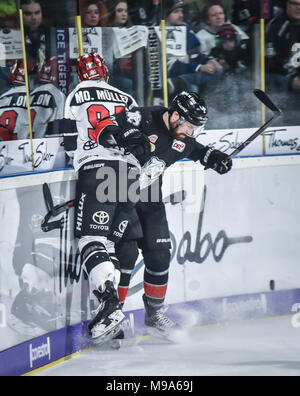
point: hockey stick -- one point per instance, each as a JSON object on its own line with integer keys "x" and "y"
{"x": 48, "y": 199}
{"x": 262, "y": 96}
{"x": 53, "y": 211}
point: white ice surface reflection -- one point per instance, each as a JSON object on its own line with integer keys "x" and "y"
{"x": 265, "y": 347}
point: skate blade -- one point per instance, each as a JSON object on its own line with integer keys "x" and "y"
{"x": 174, "y": 336}
{"x": 105, "y": 337}
{"x": 111, "y": 331}
{"x": 115, "y": 344}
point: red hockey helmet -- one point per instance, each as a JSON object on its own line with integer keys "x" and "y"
{"x": 47, "y": 71}
{"x": 92, "y": 67}
{"x": 17, "y": 73}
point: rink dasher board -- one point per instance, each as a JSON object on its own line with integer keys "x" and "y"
{"x": 63, "y": 175}
{"x": 36, "y": 353}
{"x": 53, "y": 348}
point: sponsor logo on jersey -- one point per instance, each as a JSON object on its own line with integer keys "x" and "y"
{"x": 153, "y": 138}
{"x": 101, "y": 218}
{"x": 130, "y": 132}
{"x": 163, "y": 240}
{"x": 151, "y": 171}
{"x": 122, "y": 228}
{"x": 79, "y": 217}
{"x": 207, "y": 154}
{"x": 178, "y": 146}
{"x": 90, "y": 145}
{"x": 134, "y": 117}
{"x": 123, "y": 225}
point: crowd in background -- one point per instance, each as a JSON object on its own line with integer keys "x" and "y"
{"x": 220, "y": 56}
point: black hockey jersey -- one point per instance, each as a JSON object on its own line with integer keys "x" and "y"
{"x": 168, "y": 150}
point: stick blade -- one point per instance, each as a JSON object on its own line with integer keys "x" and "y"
{"x": 263, "y": 97}
{"x": 48, "y": 198}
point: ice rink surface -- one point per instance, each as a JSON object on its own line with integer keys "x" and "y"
{"x": 264, "y": 347}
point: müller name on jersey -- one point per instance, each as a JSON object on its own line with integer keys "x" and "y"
{"x": 94, "y": 94}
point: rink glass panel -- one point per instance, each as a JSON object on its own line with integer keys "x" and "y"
{"x": 230, "y": 101}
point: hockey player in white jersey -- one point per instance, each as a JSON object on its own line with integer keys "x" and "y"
{"x": 47, "y": 101}
{"x": 99, "y": 225}
{"x": 13, "y": 106}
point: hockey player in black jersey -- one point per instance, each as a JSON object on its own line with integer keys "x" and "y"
{"x": 172, "y": 132}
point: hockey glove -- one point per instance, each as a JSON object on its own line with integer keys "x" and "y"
{"x": 129, "y": 138}
{"x": 132, "y": 140}
{"x": 141, "y": 151}
{"x": 217, "y": 161}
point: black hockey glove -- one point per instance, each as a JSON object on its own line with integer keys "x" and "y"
{"x": 129, "y": 138}
{"x": 141, "y": 150}
{"x": 217, "y": 161}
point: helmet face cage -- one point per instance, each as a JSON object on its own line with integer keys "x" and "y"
{"x": 17, "y": 73}
{"x": 191, "y": 107}
{"x": 47, "y": 71}
{"x": 92, "y": 67}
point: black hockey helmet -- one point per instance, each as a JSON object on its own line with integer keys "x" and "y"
{"x": 191, "y": 107}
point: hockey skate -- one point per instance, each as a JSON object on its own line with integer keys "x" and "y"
{"x": 108, "y": 316}
{"x": 158, "y": 324}
{"x": 116, "y": 341}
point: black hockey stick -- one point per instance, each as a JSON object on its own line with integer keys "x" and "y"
{"x": 262, "y": 96}
{"x": 53, "y": 211}
{"x": 48, "y": 199}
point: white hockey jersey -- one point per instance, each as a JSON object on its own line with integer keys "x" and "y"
{"x": 14, "y": 114}
{"x": 47, "y": 105}
{"x": 87, "y": 104}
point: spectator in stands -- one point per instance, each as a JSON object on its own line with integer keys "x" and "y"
{"x": 36, "y": 32}
{"x": 194, "y": 71}
{"x": 278, "y": 7}
{"x": 283, "y": 49}
{"x": 143, "y": 12}
{"x": 245, "y": 13}
{"x": 94, "y": 13}
{"x": 233, "y": 57}
{"x": 228, "y": 50}
{"x": 122, "y": 75}
{"x": 214, "y": 17}
{"x": 118, "y": 14}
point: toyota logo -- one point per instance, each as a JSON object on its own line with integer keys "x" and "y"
{"x": 101, "y": 218}
{"x": 123, "y": 225}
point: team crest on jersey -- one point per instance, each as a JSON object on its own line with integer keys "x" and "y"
{"x": 134, "y": 117}
{"x": 151, "y": 171}
{"x": 153, "y": 138}
{"x": 178, "y": 146}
